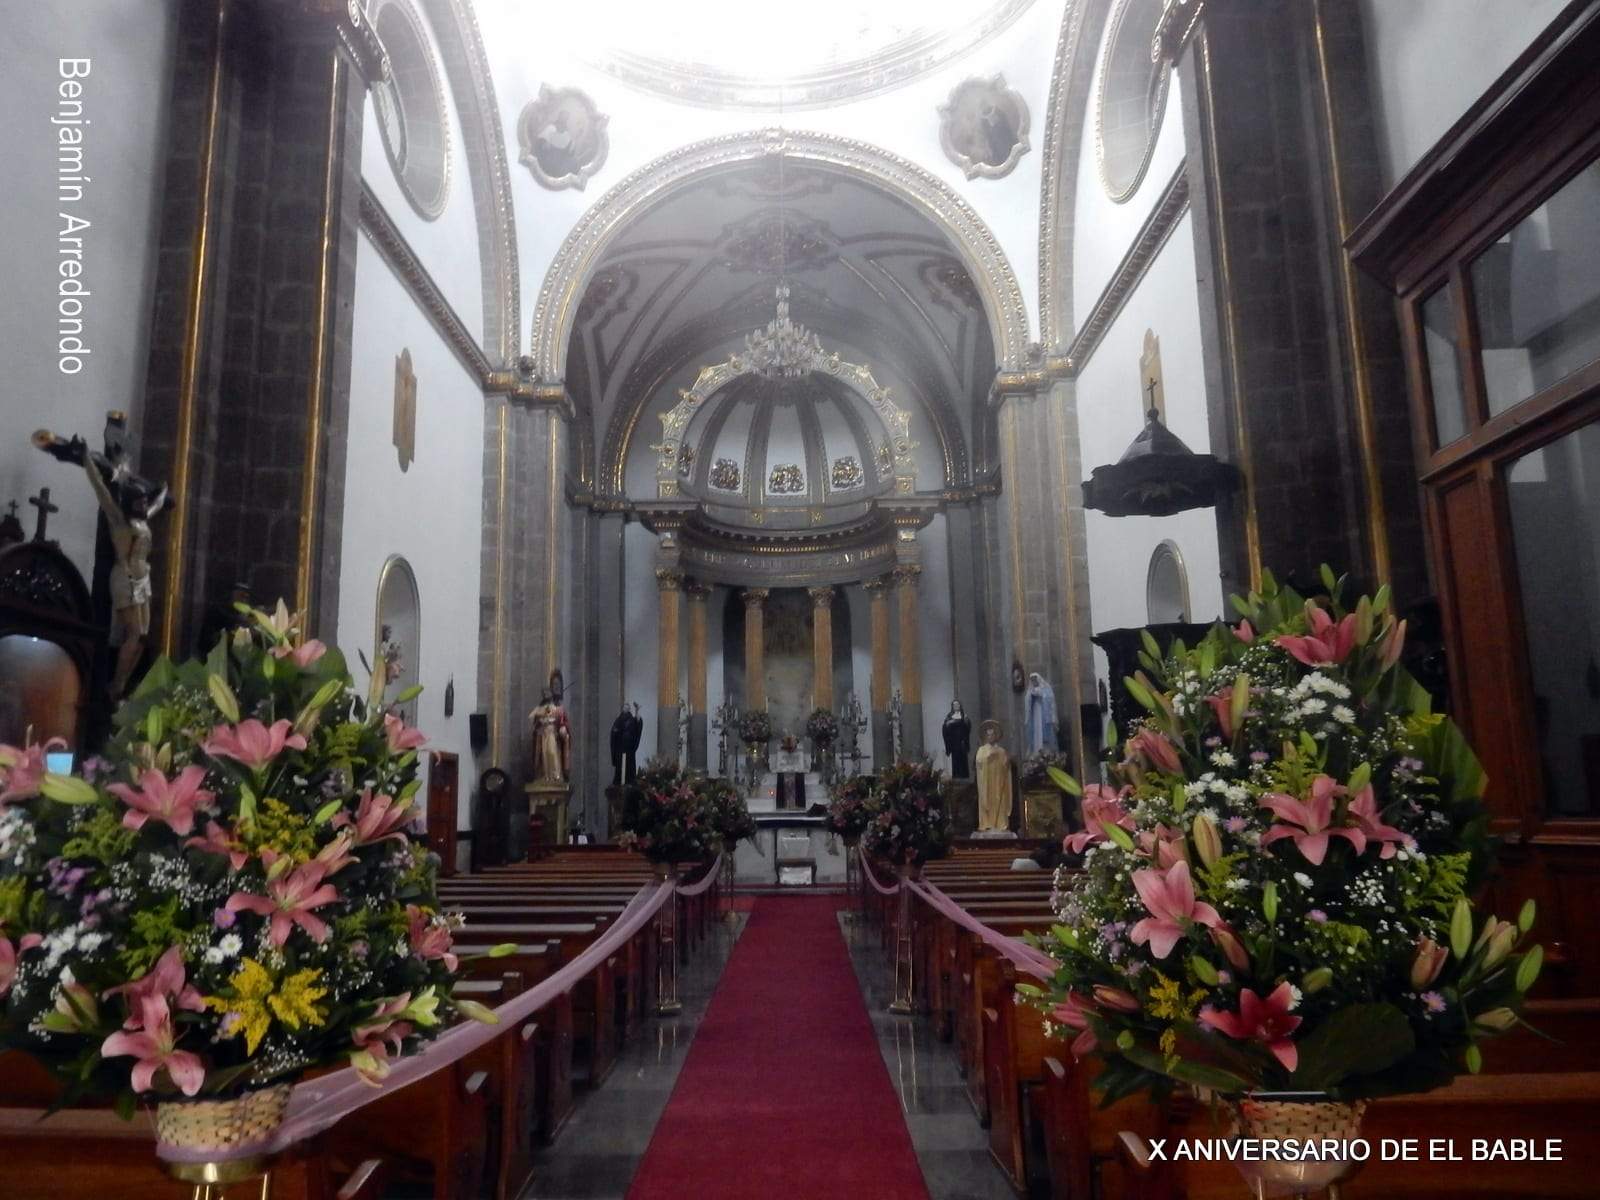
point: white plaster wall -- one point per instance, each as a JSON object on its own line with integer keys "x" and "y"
{"x": 1109, "y": 416}
{"x": 431, "y": 513}
{"x": 125, "y": 98}
{"x": 525, "y": 50}
{"x": 448, "y": 245}
{"x": 1103, "y": 229}
{"x": 1431, "y": 59}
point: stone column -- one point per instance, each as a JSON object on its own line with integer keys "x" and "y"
{"x": 670, "y": 584}
{"x": 910, "y": 664}
{"x": 755, "y": 649}
{"x": 822, "y": 647}
{"x": 878, "y": 596}
{"x": 697, "y": 593}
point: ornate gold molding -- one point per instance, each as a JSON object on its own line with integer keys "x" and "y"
{"x": 821, "y": 597}
{"x": 1069, "y": 76}
{"x": 579, "y": 255}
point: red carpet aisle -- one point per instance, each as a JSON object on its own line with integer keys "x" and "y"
{"x": 784, "y": 1093}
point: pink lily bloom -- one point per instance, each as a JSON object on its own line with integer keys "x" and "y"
{"x": 1156, "y": 750}
{"x": 1364, "y": 809}
{"x": 216, "y": 841}
{"x": 1169, "y": 896}
{"x": 155, "y": 1046}
{"x": 1165, "y": 846}
{"x": 381, "y": 818}
{"x": 252, "y": 743}
{"x": 376, "y": 1038}
{"x": 301, "y": 656}
{"x": 400, "y": 738}
{"x": 1393, "y": 645}
{"x": 1073, "y": 1014}
{"x": 22, "y": 769}
{"x": 1101, "y": 807}
{"x": 335, "y": 856}
{"x": 166, "y": 981}
{"x": 1328, "y": 642}
{"x": 289, "y": 902}
{"x": 1232, "y": 948}
{"x": 1245, "y": 632}
{"x": 1222, "y": 705}
{"x": 173, "y": 802}
{"x": 1262, "y": 1020}
{"x": 1310, "y": 820}
{"x": 9, "y": 955}
{"x": 430, "y": 939}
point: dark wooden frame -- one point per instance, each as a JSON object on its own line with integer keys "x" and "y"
{"x": 42, "y": 595}
{"x": 1531, "y": 133}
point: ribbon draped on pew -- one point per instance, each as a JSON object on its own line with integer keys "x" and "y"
{"x": 318, "y": 1104}
{"x": 866, "y": 869}
{"x": 1025, "y": 957}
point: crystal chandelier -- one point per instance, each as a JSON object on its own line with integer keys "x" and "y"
{"x": 783, "y": 348}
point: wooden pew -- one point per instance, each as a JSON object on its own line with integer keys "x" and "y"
{"x": 79, "y": 1153}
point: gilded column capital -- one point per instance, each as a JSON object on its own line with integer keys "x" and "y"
{"x": 696, "y": 590}
{"x": 668, "y": 580}
{"x": 821, "y": 597}
{"x": 755, "y": 597}
{"x": 906, "y": 575}
{"x": 879, "y": 585}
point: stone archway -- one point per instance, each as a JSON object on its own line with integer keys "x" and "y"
{"x": 576, "y": 260}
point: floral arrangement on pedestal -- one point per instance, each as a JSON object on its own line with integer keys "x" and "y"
{"x": 660, "y": 775}
{"x": 755, "y": 728}
{"x": 822, "y": 727}
{"x": 1034, "y": 770}
{"x": 671, "y": 823}
{"x": 910, "y": 823}
{"x": 851, "y": 809}
{"x": 1276, "y": 886}
{"x": 726, "y": 811}
{"x": 227, "y": 898}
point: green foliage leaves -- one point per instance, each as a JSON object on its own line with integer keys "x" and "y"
{"x": 1361, "y": 1039}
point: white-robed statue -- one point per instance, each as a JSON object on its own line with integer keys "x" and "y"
{"x": 1041, "y": 715}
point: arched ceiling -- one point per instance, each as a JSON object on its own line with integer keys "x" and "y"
{"x": 679, "y": 289}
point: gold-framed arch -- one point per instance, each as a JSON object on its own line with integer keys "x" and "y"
{"x": 575, "y": 262}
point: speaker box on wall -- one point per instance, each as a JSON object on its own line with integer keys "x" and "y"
{"x": 478, "y": 729}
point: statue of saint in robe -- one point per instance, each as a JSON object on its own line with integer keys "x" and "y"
{"x": 958, "y": 740}
{"x": 1041, "y": 715}
{"x": 626, "y": 731}
{"x": 994, "y": 781}
{"x": 552, "y": 741}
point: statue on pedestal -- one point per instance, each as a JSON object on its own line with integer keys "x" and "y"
{"x": 552, "y": 741}
{"x": 958, "y": 740}
{"x": 994, "y": 781}
{"x": 1041, "y": 714}
{"x": 626, "y": 732}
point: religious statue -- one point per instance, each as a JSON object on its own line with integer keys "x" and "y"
{"x": 626, "y": 731}
{"x": 994, "y": 781}
{"x": 127, "y": 506}
{"x": 552, "y": 740}
{"x": 957, "y": 740}
{"x": 1041, "y": 714}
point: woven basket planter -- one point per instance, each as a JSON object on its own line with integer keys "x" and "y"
{"x": 223, "y": 1124}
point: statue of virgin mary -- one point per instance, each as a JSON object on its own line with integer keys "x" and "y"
{"x": 1041, "y": 715}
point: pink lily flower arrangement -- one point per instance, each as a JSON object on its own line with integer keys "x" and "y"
{"x": 1284, "y": 839}
{"x": 193, "y": 894}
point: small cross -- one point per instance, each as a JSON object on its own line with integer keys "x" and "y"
{"x": 1151, "y": 388}
{"x": 42, "y": 503}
